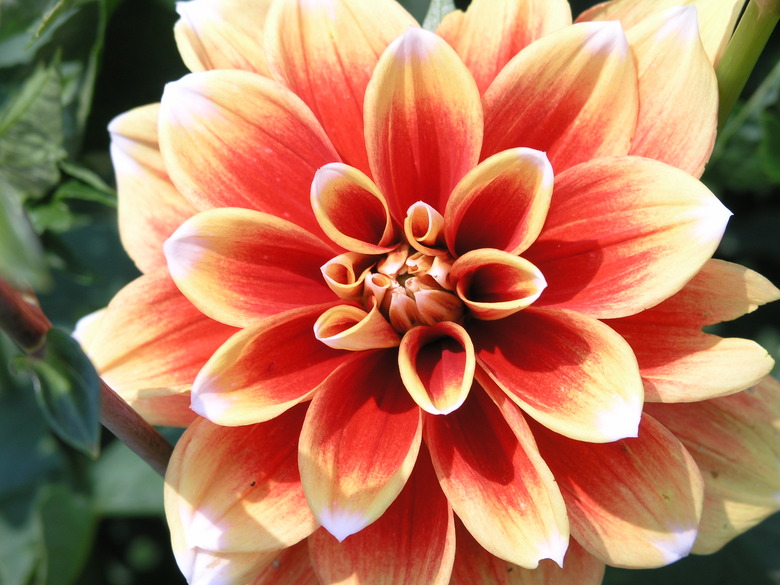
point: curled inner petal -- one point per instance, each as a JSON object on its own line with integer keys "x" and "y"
{"x": 495, "y": 284}
{"x": 423, "y": 228}
{"x": 352, "y": 328}
{"x": 437, "y": 366}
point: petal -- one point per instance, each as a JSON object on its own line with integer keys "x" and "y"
{"x": 683, "y": 365}
{"x": 497, "y": 483}
{"x": 359, "y": 443}
{"x": 239, "y": 265}
{"x": 351, "y": 328}
{"x": 494, "y": 284}
{"x": 150, "y": 207}
{"x": 437, "y": 366}
{"x": 325, "y": 51}
{"x": 424, "y": 229}
{"x": 236, "y": 139}
{"x": 633, "y": 503}
{"x": 289, "y": 566}
{"x": 491, "y": 32}
{"x": 151, "y": 341}
{"x": 678, "y": 91}
{"x": 237, "y": 489}
{"x": 570, "y": 372}
{"x": 474, "y": 565}
{"x": 222, "y": 34}
{"x": 717, "y": 18}
{"x": 351, "y": 210}
{"x": 624, "y": 234}
{"x": 423, "y": 121}
{"x": 161, "y": 408}
{"x": 264, "y": 370}
{"x": 735, "y": 441}
{"x": 412, "y": 543}
{"x": 346, "y": 274}
{"x": 501, "y": 203}
{"x": 720, "y": 291}
{"x": 587, "y": 73}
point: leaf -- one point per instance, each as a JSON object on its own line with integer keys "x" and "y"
{"x": 437, "y": 10}
{"x": 769, "y": 147}
{"x": 22, "y": 261}
{"x": 31, "y": 135}
{"x": 86, "y": 176}
{"x": 51, "y": 16}
{"x": 125, "y": 485}
{"x": 67, "y": 525}
{"x": 20, "y": 550}
{"x": 68, "y": 391}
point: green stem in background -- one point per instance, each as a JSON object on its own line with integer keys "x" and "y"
{"x": 743, "y": 51}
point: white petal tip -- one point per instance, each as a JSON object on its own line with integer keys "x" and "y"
{"x": 182, "y": 251}
{"x": 607, "y": 37}
{"x": 676, "y": 545}
{"x": 341, "y": 523}
{"x": 621, "y": 421}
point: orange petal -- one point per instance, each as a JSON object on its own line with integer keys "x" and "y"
{"x": 150, "y": 207}
{"x": 678, "y": 91}
{"x": 437, "y": 366}
{"x": 239, "y": 265}
{"x": 325, "y": 52}
{"x": 494, "y": 284}
{"x": 570, "y": 372}
{"x": 720, "y": 291}
{"x": 624, "y": 234}
{"x": 423, "y": 121}
{"x": 497, "y": 483}
{"x": 633, "y": 503}
{"x": 264, "y": 370}
{"x": 501, "y": 203}
{"x": 237, "y": 489}
{"x": 491, "y": 32}
{"x": 351, "y": 328}
{"x": 151, "y": 341}
{"x": 289, "y": 566}
{"x": 683, "y": 365}
{"x": 351, "y": 210}
{"x": 222, "y": 34}
{"x": 735, "y": 442}
{"x": 359, "y": 443}
{"x": 717, "y": 18}
{"x": 474, "y": 565}
{"x": 236, "y": 139}
{"x": 572, "y": 94}
{"x": 413, "y": 543}
{"x": 424, "y": 229}
{"x": 346, "y": 274}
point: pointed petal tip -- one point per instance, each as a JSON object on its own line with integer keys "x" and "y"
{"x": 607, "y": 37}
{"x": 677, "y": 544}
{"x": 621, "y": 421}
{"x": 683, "y": 22}
{"x": 179, "y": 252}
{"x": 341, "y": 523}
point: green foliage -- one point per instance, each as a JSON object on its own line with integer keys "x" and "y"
{"x": 68, "y": 390}
{"x": 437, "y": 10}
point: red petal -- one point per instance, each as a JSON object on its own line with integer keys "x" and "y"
{"x": 491, "y": 32}
{"x": 633, "y": 503}
{"x": 571, "y": 94}
{"x": 150, "y": 207}
{"x": 264, "y": 370}
{"x": 359, "y": 443}
{"x": 236, "y": 139}
{"x": 570, "y": 372}
{"x": 497, "y": 483}
{"x": 325, "y": 53}
{"x": 624, "y": 234}
{"x": 239, "y": 266}
{"x": 423, "y": 121}
{"x": 237, "y": 489}
{"x": 412, "y": 543}
{"x": 475, "y": 566}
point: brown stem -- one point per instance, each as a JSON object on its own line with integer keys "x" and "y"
{"x": 128, "y": 426}
{"x": 23, "y": 321}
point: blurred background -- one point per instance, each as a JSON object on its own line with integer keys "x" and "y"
{"x": 67, "y": 67}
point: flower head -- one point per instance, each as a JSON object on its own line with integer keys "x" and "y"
{"x": 435, "y": 299}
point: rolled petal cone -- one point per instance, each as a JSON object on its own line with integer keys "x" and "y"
{"x": 432, "y": 303}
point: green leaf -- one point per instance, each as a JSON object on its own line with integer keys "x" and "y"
{"x": 67, "y": 524}
{"x": 86, "y": 176}
{"x": 19, "y": 535}
{"x": 769, "y": 147}
{"x": 68, "y": 391}
{"x": 437, "y": 10}
{"x": 31, "y": 135}
{"x": 22, "y": 261}
{"x": 51, "y": 16}
{"x": 125, "y": 485}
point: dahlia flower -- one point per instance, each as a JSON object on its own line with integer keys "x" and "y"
{"x": 431, "y": 304}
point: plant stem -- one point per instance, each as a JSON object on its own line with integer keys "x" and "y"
{"x": 23, "y": 321}
{"x": 743, "y": 51}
